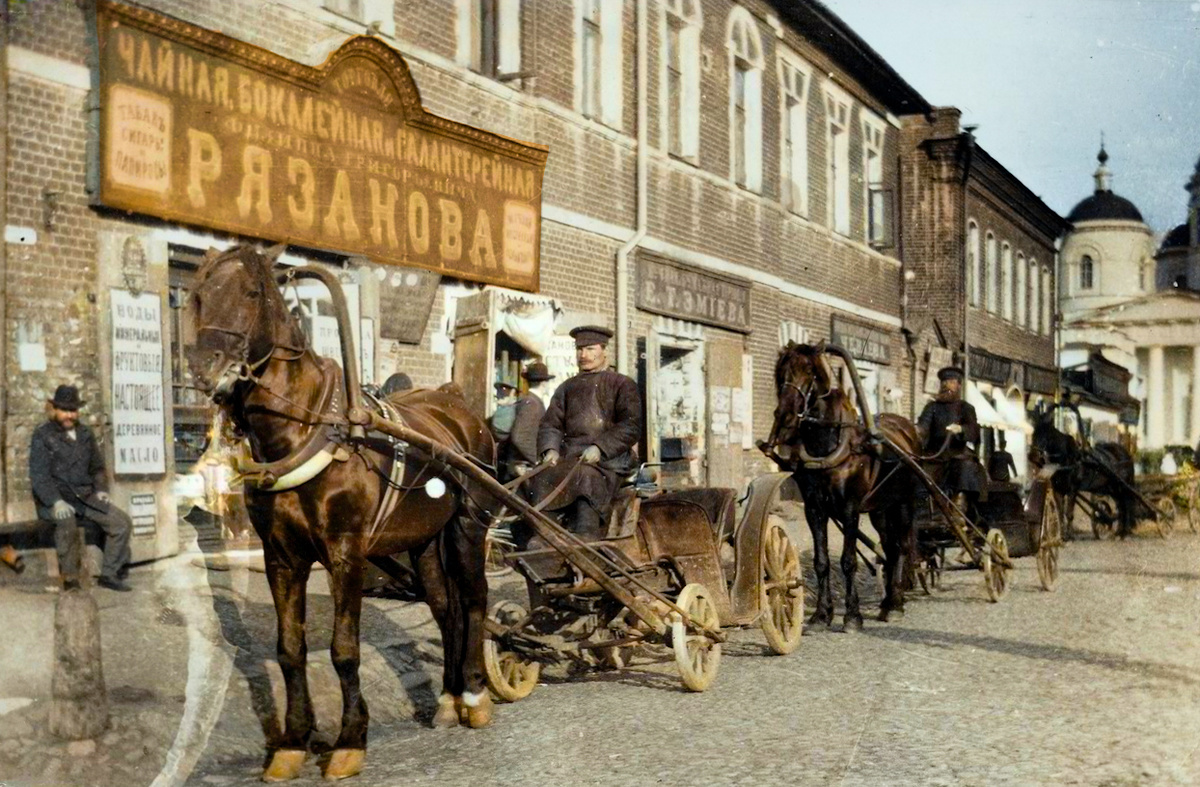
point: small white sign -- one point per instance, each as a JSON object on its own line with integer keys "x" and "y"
{"x": 139, "y": 428}
{"x": 143, "y": 510}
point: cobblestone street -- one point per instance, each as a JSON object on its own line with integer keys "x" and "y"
{"x": 1095, "y": 683}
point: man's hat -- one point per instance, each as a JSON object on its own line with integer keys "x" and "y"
{"x": 66, "y": 397}
{"x": 586, "y": 335}
{"x": 537, "y": 372}
{"x": 950, "y": 373}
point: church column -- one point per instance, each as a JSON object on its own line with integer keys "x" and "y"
{"x": 1156, "y": 383}
{"x": 1195, "y": 430}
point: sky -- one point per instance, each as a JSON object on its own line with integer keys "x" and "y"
{"x": 1043, "y": 78}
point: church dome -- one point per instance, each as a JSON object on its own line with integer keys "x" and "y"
{"x": 1104, "y": 204}
{"x": 1176, "y": 238}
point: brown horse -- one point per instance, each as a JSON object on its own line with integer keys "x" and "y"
{"x": 254, "y": 360}
{"x": 842, "y": 471}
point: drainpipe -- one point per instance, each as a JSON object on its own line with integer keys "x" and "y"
{"x": 643, "y": 163}
{"x": 4, "y": 21}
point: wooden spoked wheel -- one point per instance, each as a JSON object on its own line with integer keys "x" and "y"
{"x": 696, "y": 655}
{"x": 994, "y": 558}
{"x": 1104, "y": 520}
{"x": 783, "y": 591}
{"x": 929, "y": 572}
{"x": 1194, "y": 507}
{"x": 508, "y": 675}
{"x": 1167, "y": 512}
{"x": 495, "y": 557}
{"x": 1049, "y": 542}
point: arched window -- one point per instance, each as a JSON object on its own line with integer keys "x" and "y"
{"x": 1087, "y": 273}
{"x": 1006, "y": 281}
{"x": 974, "y": 274}
{"x": 1035, "y": 296}
{"x": 990, "y": 272}
{"x": 681, "y": 23}
{"x": 1021, "y": 296}
{"x": 1047, "y": 300}
{"x": 745, "y": 99}
{"x": 795, "y": 78}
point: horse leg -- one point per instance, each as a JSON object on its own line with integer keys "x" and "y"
{"x": 818, "y": 522}
{"x": 897, "y": 544}
{"x": 466, "y": 545}
{"x": 288, "y": 577}
{"x": 853, "y": 620}
{"x": 345, "y": 584}
{"x": 428, "y": 561}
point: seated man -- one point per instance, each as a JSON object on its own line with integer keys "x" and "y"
{"x": 66, "y": 470}
{"x": 962, "y": 477}
{"x": 593, "y": 422}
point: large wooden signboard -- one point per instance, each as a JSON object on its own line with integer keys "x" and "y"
{"x": 200, "y": 128}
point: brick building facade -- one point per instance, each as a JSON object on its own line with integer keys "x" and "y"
{"x": 767, "y": 196}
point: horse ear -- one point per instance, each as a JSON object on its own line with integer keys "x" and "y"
{"x": 273, "y": 253}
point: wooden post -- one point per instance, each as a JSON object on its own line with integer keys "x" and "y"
{"x": 79, "y": 702}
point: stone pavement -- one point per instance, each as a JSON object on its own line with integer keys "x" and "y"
{"x": 1097, "y": 683}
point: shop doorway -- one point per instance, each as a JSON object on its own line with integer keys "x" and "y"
{"x": 675, "y": 396}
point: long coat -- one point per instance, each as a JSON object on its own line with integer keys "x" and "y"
{"x": 963, "y": 472}
{"x": 64, "y": 469}
{"x": 522, "y": 438}
{"x": 599, "y": 408}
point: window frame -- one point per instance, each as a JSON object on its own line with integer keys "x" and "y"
{"x": 1020, "y": 290}
{"x": 839, "y": 107}
{"x": 1047, "y": 301}
{"x": 1006, "y": 281}
{"x": 974, "y": 265}
{"x": 991, "y": 264}
{"x": 743, "y": 41}
{"x": 874, "y": 141}
{"x": 680, "y": 115}
{"x": 793, "y": 132}
{"x": 1087, "y": 273}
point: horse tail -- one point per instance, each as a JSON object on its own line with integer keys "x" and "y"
{"x": 454, "y": 626}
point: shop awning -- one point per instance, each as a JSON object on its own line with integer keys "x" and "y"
{"x": 985, "y": 413}
{"x": 1013, "y": 413}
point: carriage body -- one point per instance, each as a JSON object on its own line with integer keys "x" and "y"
{"x": 688, "y": 546}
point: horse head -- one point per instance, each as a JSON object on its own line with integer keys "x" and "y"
{"x": 804, "y": 385}
{"x": 240, "y": 319}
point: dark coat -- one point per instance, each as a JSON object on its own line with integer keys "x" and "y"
{"x": 64, "y": 469}
{"x": 1001, "y": 466}
{"x": 527, "y": 419}
{"x": 600, "y": 408}
{"x": 962, "y": 470}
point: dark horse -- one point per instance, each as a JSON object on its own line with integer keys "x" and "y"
{"x": 254, "y": 360}
{"x": 842, "y": 471}
{"x": 1106, "y": 469}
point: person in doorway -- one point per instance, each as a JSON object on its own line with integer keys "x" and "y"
{"x": 950, "y": 422}
{"x": 70, "y": 488}
{"x": 587, "y": 437}
{"x": 1001, "y": 466}
{"x": 501, "y": 421}
{"x": 520, "y": 452}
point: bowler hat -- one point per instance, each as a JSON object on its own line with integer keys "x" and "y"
{"x": 537, "y": 372}
{"x": 586, "y": 335}
{"x": 950, "y": 373}
{"x": 66, "y": 397}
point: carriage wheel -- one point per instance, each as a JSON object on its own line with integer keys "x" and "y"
{"x": 696, "y": 655}
{"x": 783, "y": 591}
{"x": 508, "y": 675}
{"x": 995, "y": 573}
{"x": 496, "y": 552}
{"x": 1194, "y": 508}
{"x": 1049, "y": 542}
{"x": 1166, "y": 510}
{"x": 1104, "y": 520}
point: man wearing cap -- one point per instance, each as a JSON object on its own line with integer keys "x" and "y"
{"x": 593, "y": 422}
{"x": 949, "y": 415}
{"x": 520, "y": 452}
{"x": 66, "y": 470}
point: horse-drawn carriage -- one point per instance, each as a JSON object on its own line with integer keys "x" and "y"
{"x": 671, "y": 552}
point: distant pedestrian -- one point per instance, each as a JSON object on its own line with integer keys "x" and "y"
{"x": 1001, "y": 466}
{"x": 70, "y": 488}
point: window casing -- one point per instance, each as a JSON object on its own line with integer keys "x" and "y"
{"x": 591, "y": 40}
{"x": 681, "y": 28}
{"x": 794, "y": 79}
{"x": 1006, "y": 282}
{"x": 1087, "y": 273}
{"x": 991, "y": 272}
{"x": 837, "y": 128}
{"x": 1035, "y": 297}
{"x": 745, "y": 100}
{"x": 875, "y": 211}
{"x": 1047, "y": 301}
{"x": 974, "y": 274}
{"x": 366, "y": 12}
{"x": 493, "y": 37}
{"x": 1021, "y": 296}
{"x": 599, "y": 56}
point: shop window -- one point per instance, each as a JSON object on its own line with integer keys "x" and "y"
{"x": 837, "y": 164}
{"x": 192, "y": 411}
{"x": 745, "y": 100}
{"x": 794, "y": 77}
{"x": 681, "y": 77}
{"x": 490, "y": 37}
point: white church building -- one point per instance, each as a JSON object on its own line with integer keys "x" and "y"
{"x": 1135, "y": 307}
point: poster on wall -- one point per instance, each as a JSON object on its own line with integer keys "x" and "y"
{"x": 139, "y": 427}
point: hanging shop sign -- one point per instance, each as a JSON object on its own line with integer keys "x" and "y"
{"x": 200, "y": 128}
{"x": 862, "y": 340}
{"x": 1041, "y": 380}
{"x": 675, "y": 290}
{"x": 405, "y": 300}
{"x": 139, "y": 426}
{"x": 992, "y": 368}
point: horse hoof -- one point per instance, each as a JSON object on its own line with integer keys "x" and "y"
{"x": 477, "y": 710}
{"x": 853, "y": 624}
{"x": 447, "y": 713}
{"x": 820, "y": 619}
{"x": 893, "y": 615}
{"x": 344, "y": 763}
{"x": 285, "y": 765}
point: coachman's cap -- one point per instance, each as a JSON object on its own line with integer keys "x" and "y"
{"x": 950, "y": 373}
{"x": 537, "y": 372}
{"x": 66, "y": 397}
{"x": 586, "y": 335}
